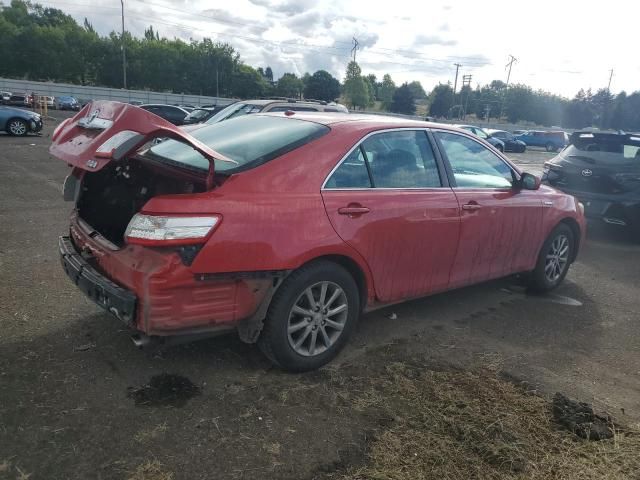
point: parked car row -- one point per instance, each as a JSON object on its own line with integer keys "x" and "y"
{"x": 186, "y": 115}
{"x": 518, "y": 140}
{"x": 27, "y": 100}
{"x": 201, "y": 233}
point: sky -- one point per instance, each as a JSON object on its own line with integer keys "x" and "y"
{"x": 560, "y": 46}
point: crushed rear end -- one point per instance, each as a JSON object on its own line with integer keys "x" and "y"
{"x": 131, "y": 257}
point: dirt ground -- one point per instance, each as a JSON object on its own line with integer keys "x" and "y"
{"x": 78, "y": 401}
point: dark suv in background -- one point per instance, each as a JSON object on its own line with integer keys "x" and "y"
{"x": 603, "y": 171}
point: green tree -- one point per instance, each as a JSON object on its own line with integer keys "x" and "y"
{"x": 403, "y": 100}
{"x": 248, "y": 83}
{"x": 519, "y": 101}
{"x": 441, "y": 100}
{"x": 269, "y": 74}
{"x": 373, "y": 86}
{"x": 386, "y": 91}
{"x": 322, "y": 86}
{"x": 355, "y": 87}
{"x": 289, "y": 85}
{"x": 417, "y": 90}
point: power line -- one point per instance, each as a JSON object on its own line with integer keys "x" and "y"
{"x": 355, "y": 48}
{"x": 504, "y": 95}
{"x": 455, "y": 83}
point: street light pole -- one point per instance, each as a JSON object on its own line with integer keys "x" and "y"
{"x": 124, "y": 55}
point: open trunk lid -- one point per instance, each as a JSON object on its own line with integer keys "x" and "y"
{"x": 105, "y": 131}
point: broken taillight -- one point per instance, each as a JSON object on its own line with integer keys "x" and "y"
{"x": 160, "y": 230}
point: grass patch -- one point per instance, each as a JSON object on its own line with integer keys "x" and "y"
{"x": 472, "y": 425}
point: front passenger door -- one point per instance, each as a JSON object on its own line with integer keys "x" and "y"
{"x": 501, "y": 226}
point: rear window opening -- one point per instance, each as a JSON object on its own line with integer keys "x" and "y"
{"x": 250, "y": 140}
{"x": 110, "y": 197}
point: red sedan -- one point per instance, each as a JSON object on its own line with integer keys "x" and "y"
{"x": 286, "y": 227}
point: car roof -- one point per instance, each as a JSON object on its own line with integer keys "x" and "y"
{"x": 360, "y": 121}
{"x": 288, "y": 101}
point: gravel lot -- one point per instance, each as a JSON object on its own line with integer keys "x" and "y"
{"x": 73, "y": 402}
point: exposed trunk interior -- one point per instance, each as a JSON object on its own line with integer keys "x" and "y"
{"x": 112, "y": 196}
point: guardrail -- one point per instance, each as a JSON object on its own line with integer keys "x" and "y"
{"x": 101, "y": 93}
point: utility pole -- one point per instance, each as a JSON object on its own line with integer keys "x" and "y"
{"x": 355, "y": 48}
{"x": 512, "y": 60}
{"x": 455, "y": 83}
{"x": 124, "y": 55}
{"x": 466, "y": 82}
{"x": 610, "y": 78}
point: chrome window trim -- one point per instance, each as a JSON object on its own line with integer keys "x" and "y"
{"x": 362, "y": 140}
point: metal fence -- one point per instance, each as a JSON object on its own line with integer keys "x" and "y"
{"x": 100, "y": 93}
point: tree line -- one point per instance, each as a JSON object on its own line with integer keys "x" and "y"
{"x": 45, "y": 44}
{"x": 520, "y": 103}
{"x": 39, "y": 43}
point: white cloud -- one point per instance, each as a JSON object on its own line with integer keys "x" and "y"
{"x": 560, "y": 46}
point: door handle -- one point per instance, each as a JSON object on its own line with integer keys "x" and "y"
{"x": 353, "y": 210}
{"x": 471, "y": 206}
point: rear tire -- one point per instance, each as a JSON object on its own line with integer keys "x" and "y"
{"x": 17, "y": 127}
{"x": 550, "y": 147}
{"x": 311, "y": 317}
{"x": 554, "y": 260}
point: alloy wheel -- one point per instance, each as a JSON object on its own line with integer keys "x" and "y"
{"x": 557, "y": 258}
{"x": 17, "y": 127}
{"x": 317, "y": 318}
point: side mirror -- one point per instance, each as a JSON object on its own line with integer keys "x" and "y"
{"x": 529, "y": 181}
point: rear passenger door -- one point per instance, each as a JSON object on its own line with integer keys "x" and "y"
{"x": 390, "y": 200}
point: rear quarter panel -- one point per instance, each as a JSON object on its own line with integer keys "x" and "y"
{"x": 273, "y": 216}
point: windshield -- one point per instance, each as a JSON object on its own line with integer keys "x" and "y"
{"x": 604, "y": 148}
{"x": 250, "y": 141}
{"x": 481, "y": 133}
{"x": 235, "y": 110}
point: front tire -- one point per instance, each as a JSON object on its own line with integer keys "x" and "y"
{"x": 311, "y": 317}
{"x": 17, "y": 127}
{"x": 554, "y": 259}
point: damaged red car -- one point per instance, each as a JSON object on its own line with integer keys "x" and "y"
{"x": 286, "y": 227}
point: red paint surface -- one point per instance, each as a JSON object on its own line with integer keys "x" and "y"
{"x": 408, "y": 238}
{"x": 275, "y": 217}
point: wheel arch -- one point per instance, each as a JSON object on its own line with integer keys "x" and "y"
{"x": 355, "y": 270}
{"x": 575, "y": 229}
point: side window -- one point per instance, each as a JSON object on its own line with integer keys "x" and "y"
{"x": 474, "y": 165}
{"x": 352, "y": 173}
{"x": 401, "y": 159}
